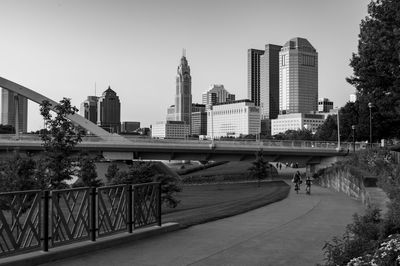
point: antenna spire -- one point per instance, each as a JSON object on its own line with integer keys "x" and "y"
{"x": 184, "y": 52}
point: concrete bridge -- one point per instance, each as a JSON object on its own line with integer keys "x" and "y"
{"x": 303, "y": 152}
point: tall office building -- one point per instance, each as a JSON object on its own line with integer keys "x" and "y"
{"x": 298, "y": 77}
{"x": 253, "y": 75}
{"x": 10, "y": 101}
{"x": 269, "y": 81}
{"x": 89, "y": 108}
{"x": 109, "y": 111}
{"x": 183, "y": 98}
{"x": 216, "y": 93}
{"x": 198, "y": 119}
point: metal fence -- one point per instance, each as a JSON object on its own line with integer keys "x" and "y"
{"x": 33, "y": 220}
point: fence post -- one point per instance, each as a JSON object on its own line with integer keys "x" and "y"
{"x": 93, "y": 214}
{"x": 46, "y": 196}
{"x": 159, "y": 205}
{"x": 130, "y": 207}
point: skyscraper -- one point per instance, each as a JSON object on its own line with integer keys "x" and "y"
{"x": 298, "y": 77}
{"x": 109, "y": 111}
{"x": 10, "y": 101}
{"x": 253, "y": 75}
{"x": 217, "y": 94}
{"x": 183, "y": 97}
{"x": 269, "y": 81}
{"x": 89, "y": 108}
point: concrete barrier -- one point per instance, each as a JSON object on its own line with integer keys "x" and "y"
{"x": 361, "y": 188}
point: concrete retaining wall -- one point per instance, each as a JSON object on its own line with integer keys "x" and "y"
{"x": 342, "y": 180}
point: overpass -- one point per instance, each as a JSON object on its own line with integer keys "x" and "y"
{"x": 305, "y": 152}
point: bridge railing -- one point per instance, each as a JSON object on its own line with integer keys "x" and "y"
{"x": 34, "y": 220}
{"x": 116, "y": 139}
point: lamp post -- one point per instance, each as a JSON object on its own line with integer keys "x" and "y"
{"x": 338, "y": 129}
{"x": 370, "y": 105}
{"x": 353, "y": 127}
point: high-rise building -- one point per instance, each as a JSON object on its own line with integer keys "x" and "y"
{"x": 183, "y": 98}
{"x": 298, "y": 77}
{"x": 324, "y": 105}
{"x": 198, "y": 119}
{"x": 269, "y": 81}
{"x": 253, "y": 75}
{"x": 10, "y": 103}
{"x": 89, "y": 108}
{"x": 232, "y": 119}
{"x": 109, "y": 111}
{"x": 216, "y": 93}
{"x": 199, "y": 123}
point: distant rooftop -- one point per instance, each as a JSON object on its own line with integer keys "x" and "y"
{"x": 300, "y": 44}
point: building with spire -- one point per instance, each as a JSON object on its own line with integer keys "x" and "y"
{"x": 109, "y": 111}
{"x": 183, "y": 97}
{"x": 298, "y": 77}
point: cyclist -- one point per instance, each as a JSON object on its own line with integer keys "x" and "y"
{"x": 308, "y": 185}
{"x": 297, "y": 181}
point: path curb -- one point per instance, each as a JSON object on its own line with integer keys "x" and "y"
{"x": 80, "y": 248}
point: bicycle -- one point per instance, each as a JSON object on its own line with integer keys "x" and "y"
{"x": 297, "y": 187}
{"x": 308, "y": 189}
{"x": 308, "y": 186}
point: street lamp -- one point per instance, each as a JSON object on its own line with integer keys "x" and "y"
{"x": 353, "y": 127}
{"x": 338, "y": 128}
{"x": 370, "y": 105}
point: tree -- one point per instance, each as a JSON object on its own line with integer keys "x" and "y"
{"x": 300, "y": 134}
{"x": 112, "y": 171}
{"x": 17, "y": 174}
{"x": 328, "y": 130}
{"x": 260, "y": 167}
{"x": 87, "y": 172}
{"x": 143, "y": 172}
{"x": 376, "y": 68}
{"x": 59, "y": 141}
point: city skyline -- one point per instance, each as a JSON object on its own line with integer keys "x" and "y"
{"x": 63, "y": 48}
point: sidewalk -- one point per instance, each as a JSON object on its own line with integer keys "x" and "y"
{"x": 289, "y": 232}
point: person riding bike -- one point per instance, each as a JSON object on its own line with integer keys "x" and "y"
{"x": 297, "y": 181}
{"x": 308, "y": 185}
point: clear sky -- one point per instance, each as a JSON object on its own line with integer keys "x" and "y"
{"x": 69, "y": 48}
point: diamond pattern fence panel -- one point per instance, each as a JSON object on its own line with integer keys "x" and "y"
{"x": 147, "y": 204}
{"x": 70, "y": 215}
{"x": 20, "y": 221}
{"x": 112, "y": 209}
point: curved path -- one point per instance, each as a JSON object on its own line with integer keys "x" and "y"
{"x": 289, "y": 232}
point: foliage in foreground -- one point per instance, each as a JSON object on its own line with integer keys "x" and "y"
{"x": 59, "y": 140}
{"x": 371, "y": 239}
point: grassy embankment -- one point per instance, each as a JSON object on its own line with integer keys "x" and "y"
{"x": 208, "y": 202}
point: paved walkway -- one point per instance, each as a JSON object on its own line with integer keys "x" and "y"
{"x": 289, "y": 232}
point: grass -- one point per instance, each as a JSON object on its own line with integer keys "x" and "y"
{"x": 205, "y": 203}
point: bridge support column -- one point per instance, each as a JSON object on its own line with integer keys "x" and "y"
{"x": 16, "y": 105}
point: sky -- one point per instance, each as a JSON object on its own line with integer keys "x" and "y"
{"x": 76, "y": 48}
